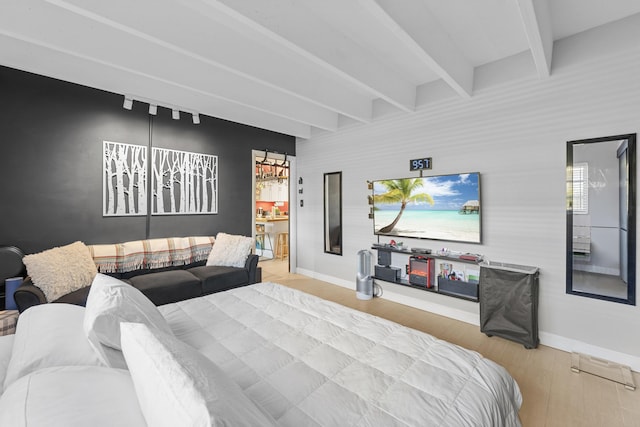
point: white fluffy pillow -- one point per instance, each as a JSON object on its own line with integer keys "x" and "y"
{"x": 49, "y": 335}
{"x": 177, "y": 385}
{"x": 230, "y": 250}
{"x": 110, "y": 302}
{"x": 71, "y": 396}
{"x": 61, "y": 270}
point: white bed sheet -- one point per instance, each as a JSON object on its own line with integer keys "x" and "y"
{"x": 6, "y": 346}
{"x": 312, "y": 362}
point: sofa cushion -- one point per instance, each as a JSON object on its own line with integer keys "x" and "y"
{"x": 230, "y": 250}
{"x": 134, "y": 273}
{"x": 61, "y": 270}
{"x": 168, "y": 286}
{"x": 217, "y": 278}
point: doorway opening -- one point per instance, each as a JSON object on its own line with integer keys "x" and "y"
{"x": 272, "y": 208}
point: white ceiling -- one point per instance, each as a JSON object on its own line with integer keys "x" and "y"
{"x": 291, "y": 66}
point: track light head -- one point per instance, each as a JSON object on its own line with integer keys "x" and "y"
{"x": 153, "y": 109}
{"x": 196, "y": 118}
{"x": 175, "y": 114}
{"x": 128, "y": 103}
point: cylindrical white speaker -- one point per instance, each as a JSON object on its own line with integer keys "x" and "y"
{"x": 364, "y": 281}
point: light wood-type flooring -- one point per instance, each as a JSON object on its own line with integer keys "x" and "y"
{"x": 553, "y": 394}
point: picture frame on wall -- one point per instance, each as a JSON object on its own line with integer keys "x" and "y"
{"x": 124, "y": 179}
{"x": 183, "y": 183}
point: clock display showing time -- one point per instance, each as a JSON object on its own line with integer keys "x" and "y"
{"x": 420, "y": 164}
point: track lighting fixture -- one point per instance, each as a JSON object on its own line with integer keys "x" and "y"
{"x": 153, "y": 108}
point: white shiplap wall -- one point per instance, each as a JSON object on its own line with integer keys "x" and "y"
{"x": 515, "y": 135}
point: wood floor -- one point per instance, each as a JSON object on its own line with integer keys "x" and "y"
{"x": 553, "y": 394}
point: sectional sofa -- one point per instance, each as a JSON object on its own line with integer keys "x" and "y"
{"x": 164, "y": 270}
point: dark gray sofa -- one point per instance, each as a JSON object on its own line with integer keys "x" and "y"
{"x": 161, "y": 285}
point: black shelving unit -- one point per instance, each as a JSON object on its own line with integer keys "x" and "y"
{"x": 462, "y": 289}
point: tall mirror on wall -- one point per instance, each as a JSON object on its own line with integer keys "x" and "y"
{"x": 333, "y": 213}
{"x": 601, "y": 218}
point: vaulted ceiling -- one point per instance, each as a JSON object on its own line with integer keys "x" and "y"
{"x": 291, "y": 66}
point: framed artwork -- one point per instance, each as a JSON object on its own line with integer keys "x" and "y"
{"x": 124, "y": 179}
{"x": 183, "y": 182}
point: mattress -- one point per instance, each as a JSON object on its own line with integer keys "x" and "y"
{"x": 311, "y": 362}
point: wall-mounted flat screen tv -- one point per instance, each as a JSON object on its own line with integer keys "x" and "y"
{"x": 442, "y": 207}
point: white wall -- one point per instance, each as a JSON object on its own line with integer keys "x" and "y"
{"x": 514, "y": 133}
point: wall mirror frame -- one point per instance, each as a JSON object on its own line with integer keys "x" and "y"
{"x": 333, "y": 213}
{"x": 601, "y": 218}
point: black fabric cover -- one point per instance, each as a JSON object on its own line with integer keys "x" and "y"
{"x": 168, "y": 286}
{"x": 509, "y": 302}
{"x": 217, "y": 278}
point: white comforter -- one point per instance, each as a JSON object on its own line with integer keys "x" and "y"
{"x": 310, "y": 362}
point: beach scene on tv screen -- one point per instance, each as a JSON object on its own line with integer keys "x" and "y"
{"x": 445, "y": 207}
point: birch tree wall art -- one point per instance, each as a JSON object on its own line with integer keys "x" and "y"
{"x": 124, "y": 179}
{"x": 184, "y": 182}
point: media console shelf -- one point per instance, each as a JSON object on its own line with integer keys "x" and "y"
{"x": 447, "y": 275}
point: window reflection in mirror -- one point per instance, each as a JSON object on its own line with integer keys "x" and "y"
{"x": 333, "y": 213}
{"x": 601, "y": 247}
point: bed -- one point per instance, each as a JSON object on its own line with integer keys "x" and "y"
{"x": 304, "y": 361}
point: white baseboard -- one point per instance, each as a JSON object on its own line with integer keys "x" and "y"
{"x": 548, "y": 339}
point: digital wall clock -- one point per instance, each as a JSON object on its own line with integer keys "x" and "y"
{"x": 420, "y": 164}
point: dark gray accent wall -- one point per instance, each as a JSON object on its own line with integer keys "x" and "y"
{"x": 51, "y": 135}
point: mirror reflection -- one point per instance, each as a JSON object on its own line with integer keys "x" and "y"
{"x": 333, "y": 213}
{"x": 601, "y": 218}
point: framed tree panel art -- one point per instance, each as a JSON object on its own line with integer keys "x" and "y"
{"x": 183, "y": 182}
{"x": 124, "y": 179}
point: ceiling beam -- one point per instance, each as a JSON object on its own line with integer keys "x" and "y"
{"x": 321, "y": 45}
{"x": 204, "y": 76}
{"x": 278, "y": 67}
{"x": 211, "y": 37}
{"x": 413, "y": 24}
{"x": 58, "y": 63}
{"x": 536, "y": 19}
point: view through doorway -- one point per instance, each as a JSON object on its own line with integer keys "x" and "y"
{"x": 272, "y": 207}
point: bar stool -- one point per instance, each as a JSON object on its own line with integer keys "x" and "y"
{"x": 282, "y": 245}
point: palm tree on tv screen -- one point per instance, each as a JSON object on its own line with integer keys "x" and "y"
{"x": 400, "y": 191}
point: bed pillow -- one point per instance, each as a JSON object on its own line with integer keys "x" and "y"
{"x": 110, "y": 302}
{"x": 49, "y": 335}
{"x": 230, "y": 250}
{"x": 61, "y": 270}
{"x": 178, "y": 385}
{"x": 72, "y": 396}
